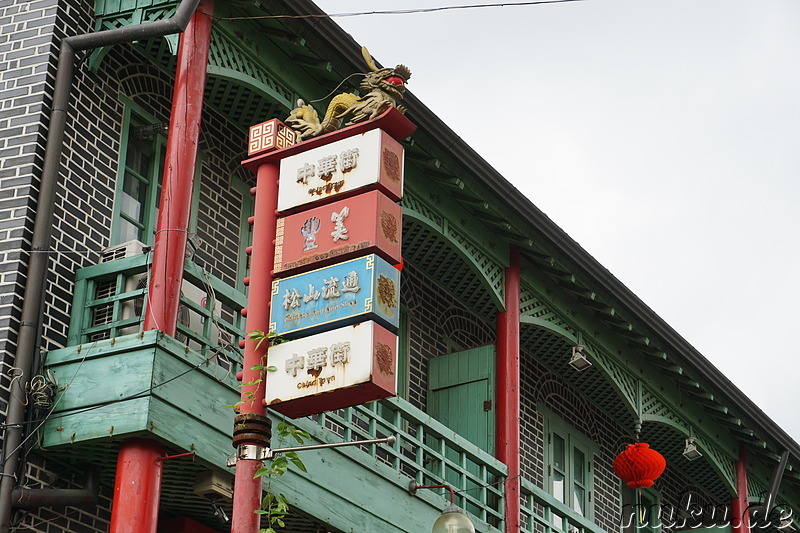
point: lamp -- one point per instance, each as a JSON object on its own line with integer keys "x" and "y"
{"x": 690, "y": 451}
{"x": 452, "y": 519}
{"x": 578, "y": 361}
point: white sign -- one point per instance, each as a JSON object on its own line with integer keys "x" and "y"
{"x": 368, "y": 159}
{"x": 337, "y": 368}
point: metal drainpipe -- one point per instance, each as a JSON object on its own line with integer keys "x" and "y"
{"x": 30, "y": 498}
{"x": 507, "y": 413}
{"x": 42, "y": 227}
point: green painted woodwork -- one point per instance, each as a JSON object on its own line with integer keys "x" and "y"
{"x": 122, "y": 320}
{"x": 149, "y": 385}
{"x": 476, "y": 262}
{"x": 426, "y": 451}
{"x": 541, "y": 513}
{"x": 569, "y": 456}
{"x": 460, "y": 385}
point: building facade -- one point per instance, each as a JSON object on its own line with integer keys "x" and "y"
{"x": 527, "y": 442}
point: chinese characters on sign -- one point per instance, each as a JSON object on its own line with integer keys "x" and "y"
{"x": 348, "y": 365}
{"x": 330, "y": 233}
{"x": 370, "y": 160}
{"x": 366, "y": 288}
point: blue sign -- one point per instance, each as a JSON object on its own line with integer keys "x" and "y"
{"x": 367, "y": 288}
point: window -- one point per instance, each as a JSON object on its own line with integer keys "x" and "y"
{"x": 568, "y": 464}
{"x": 641, "y": 510}
{"x": 139, "y": 180}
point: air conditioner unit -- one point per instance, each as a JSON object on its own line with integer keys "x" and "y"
{"x": 135, "y": 307}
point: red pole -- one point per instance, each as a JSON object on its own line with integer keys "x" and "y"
{"x": 247, "y": 495}
{"x": 507, "y": 419}
{"x": 139, "y": 466}
{"x": 137, "y": 487}
{"x": 740, "y": 514}
{"x": 176, "y": 195}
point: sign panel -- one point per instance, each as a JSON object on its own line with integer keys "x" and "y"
{"x": 362, "y": 224}
{"x": 338, "y": 368}
{"x": 369, "y": 160}
{"x": 367, "y": 288}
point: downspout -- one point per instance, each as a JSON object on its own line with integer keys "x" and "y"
{"x": 507, "y": 392}
{"x": 85, "y": 497}
{"x": 31, "y": 320}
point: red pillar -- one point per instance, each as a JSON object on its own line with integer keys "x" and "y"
{"x": 740, "y": 515}
{"x": 247, "y": 495}
{"x": 507, "y": 419}
{"x": 176, "y": 194}
{"x": 137, "y": 487}
{"x": 139, "y": 464}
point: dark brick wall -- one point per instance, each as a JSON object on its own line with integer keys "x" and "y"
{"x": 438, "y": 324}
{"x": 26, "y": 75}
{"x": 30, "y": 31}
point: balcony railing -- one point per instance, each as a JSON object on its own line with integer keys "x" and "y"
{"x": 542, "y": 513}
{"x": 109, "y": 302}
{"x": 425, "y": 451}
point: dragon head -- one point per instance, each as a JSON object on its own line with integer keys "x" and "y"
{"x": 389, "y": 80}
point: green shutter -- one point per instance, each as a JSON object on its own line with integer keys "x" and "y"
{"x": 462, "y": 394}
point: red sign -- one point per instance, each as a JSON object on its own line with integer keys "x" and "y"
{"x": 360, "y": 225}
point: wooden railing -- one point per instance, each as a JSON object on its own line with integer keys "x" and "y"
{"x": 426, "y": 451}
{"x": 108, "y": 302}
{"x": 542, "y": 513}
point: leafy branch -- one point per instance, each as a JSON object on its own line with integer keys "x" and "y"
{"x": 274, "y": 506}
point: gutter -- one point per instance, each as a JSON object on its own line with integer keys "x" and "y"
{"x": 596, "y": 273}
{"x": 30, "y": 323}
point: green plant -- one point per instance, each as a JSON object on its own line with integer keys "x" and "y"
{"x": 258, "y": 336}
{"x": 275, "y": 506}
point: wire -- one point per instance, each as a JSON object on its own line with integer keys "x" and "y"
{"x": 47, "y": 417}
{"x": 401, "y": 11}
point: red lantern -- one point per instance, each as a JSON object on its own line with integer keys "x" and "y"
{"x": 639, "y": 466}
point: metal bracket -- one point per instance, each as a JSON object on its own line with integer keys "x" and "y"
{"x": 260, "y": 453}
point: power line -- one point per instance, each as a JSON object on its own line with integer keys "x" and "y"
{"x": 401, "y": 11}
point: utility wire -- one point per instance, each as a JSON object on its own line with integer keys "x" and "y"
{"x": 401, "y": 11}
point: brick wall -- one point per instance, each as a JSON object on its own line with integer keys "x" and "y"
{"x": 29, "y": 34}
{"x": 438, "y": 324}
{"x": 26, "y": 75}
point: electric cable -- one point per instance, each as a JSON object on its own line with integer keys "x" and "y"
{"x": 401, "y": 11}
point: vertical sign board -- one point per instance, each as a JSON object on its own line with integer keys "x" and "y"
{"x": 367, "y": 288}
{"x": 368, "y": 160}
{"x": 367, "y": 223}
{"x": 338, "y": 368}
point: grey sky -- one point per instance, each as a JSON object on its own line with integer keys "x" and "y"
{"x": 662, "y": 135}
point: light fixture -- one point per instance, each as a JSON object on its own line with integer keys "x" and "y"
{"x": 690, "y": 451}
{"x": 219, "y": 512}
{"x": 452, "y": 519}
{"x": 140, "y": 133}
{"x": 578, "y": 361}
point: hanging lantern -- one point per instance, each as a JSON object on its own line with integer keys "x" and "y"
{"x": 639, "y": 466}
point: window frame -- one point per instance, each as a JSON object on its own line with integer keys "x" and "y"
{"x": 573, "y": 440}
{"x": 134, "y": 114}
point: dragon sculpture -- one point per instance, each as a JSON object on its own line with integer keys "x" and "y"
{"x": 382, "y": 88}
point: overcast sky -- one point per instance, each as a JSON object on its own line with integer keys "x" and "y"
{"x": 662, "y": 135}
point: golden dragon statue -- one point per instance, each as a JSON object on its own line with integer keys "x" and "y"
{"x": 382, "y": 88}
